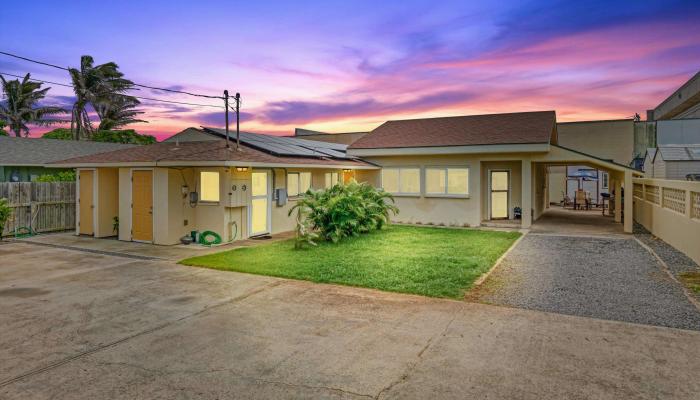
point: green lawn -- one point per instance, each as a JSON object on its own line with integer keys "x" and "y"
{"x": 437, "y": 262}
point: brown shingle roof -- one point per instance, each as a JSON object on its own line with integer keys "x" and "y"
{"x": 470, "y": 130}
{"x": 198, "y": 151}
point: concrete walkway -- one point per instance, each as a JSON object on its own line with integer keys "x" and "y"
{"x": 580, "y": 263}
{"x": 138, "y": 250}
{"x": 83, "y": 325}
{"x": 558, "y": 220}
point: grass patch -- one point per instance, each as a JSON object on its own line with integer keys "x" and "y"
{"x": 434, "y": 262}
{"x": 692, "y": 281}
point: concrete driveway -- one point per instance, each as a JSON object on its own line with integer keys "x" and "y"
{"x": 84, "y": 325}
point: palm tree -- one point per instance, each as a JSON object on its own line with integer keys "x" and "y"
{"x": 118, "y": 111}
{"x": 94, "y": 85}
{"x": 21, "y": 108}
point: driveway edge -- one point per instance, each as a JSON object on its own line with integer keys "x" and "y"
{"x": 665, "y": 268}
{"x": 486, "y": 274}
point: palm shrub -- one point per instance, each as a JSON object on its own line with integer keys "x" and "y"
{"x": 341, "y": 211}
{"x": 4, "y": 214}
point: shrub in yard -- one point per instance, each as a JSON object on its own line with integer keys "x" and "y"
{"x": 4, "y": 214}
{"x": 341, "y": 211}
{"x": 64, "y": 176}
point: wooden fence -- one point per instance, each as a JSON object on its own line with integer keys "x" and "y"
{"x": 43, "y": 206}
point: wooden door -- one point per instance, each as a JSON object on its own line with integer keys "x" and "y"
{"x": 142, "y": 206}
{"x": 87, "y": 205}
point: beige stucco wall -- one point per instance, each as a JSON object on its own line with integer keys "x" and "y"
{"x": 604, "y": 139}
{"x": 515, "y": 168}
{"x": 424, "y": 209}
{"x": 681, "y": 230}
{"x": 107, "y": 201}
{"x": 556, "y": 183}
{"x": 281, "y": 221}
{"x": 539, "y": 190}
{"x": 125, "y": 204}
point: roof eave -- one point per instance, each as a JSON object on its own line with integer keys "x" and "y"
{"x": 210, "y": 164}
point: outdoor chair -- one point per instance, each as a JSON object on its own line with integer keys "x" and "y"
{"x": 581, "y": 200}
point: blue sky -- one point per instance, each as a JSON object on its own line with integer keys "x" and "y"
{"x": 344, "y": 66}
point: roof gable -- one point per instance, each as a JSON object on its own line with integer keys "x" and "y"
{"x": 471, "y": 130}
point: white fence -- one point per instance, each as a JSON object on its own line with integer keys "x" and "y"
{"x": 671, "y": 211}
{"x": 41, "y": 206}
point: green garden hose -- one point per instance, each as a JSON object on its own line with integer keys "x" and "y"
{"x": 24, "y": 231}
{"x": 208, "y": 238}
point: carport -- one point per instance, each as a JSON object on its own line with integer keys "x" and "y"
{"x": 620, "y": 181}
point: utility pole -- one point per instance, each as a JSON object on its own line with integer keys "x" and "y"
{"x": 226, "y": 107}
{"x": 238, "y": 121}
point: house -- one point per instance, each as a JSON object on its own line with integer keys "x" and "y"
{"x": 676, "y": 161}
{"x": 22, "y": 159}
{"x": 649, "y": 162}
{"x": 684, "y": 103}
{"x": 192, "y": 134}
{"x": 608, "y": 139}
{"x": 162, "y": 192}
{"x": 470, "y": 170}
{"x": 201, "y": 134}
{"x": 458, "y": 171}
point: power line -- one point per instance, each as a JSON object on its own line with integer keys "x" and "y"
{"x": 138, "y": 97}
{"x": 135, "y": 84}
{"x": 34, "y": 61}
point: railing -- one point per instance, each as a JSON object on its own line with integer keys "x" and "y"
{"x": 670, "y": 210}
{"x": 39, "y": 206}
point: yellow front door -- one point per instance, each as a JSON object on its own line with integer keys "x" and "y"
{"x": 87, "y": 206}
{"x": 142, "y": 206}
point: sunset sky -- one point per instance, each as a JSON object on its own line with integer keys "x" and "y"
{"x": 350, "y": 65}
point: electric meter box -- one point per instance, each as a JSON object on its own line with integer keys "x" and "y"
{"x": 239, "y": 193}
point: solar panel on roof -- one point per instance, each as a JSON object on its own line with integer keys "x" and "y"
{"x": 289, "y": 146}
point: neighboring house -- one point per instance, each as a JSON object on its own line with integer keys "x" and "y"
{"x": 22, "y": 159}
{"x": 684, "y": 103}
{"x": 199, "y": 134}
{"x": 469, "y": 170}
{"x": 163, "y": 191}
{"x": 676, "y": 161}
{"x": 344, "y": 138}
{"x": 649, "y": 162}
{"x": 608, "y": 139}
{"x": 192, "y": 134}
{"x": 678, "y": 132}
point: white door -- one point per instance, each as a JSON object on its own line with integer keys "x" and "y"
{"x": 500, "y": 185}
{"x": 260, "y": 208}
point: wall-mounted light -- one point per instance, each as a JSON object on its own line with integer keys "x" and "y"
{"x": 241, "y": 169}
{"x": 347, "y": 170}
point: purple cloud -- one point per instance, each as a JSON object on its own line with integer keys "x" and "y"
{"x": 299, "y": 112}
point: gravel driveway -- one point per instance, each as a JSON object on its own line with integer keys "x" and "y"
{"x": 609, "y": 278}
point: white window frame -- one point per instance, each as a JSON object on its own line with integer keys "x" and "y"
{"x": 298, "y": 179}
{"x": 201, "y": 197}
{"x": 331, "y": 174}
{"x": 446, "y": 168}
{"x": 605, "y": 184}
{"x": 401, "y": 193}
